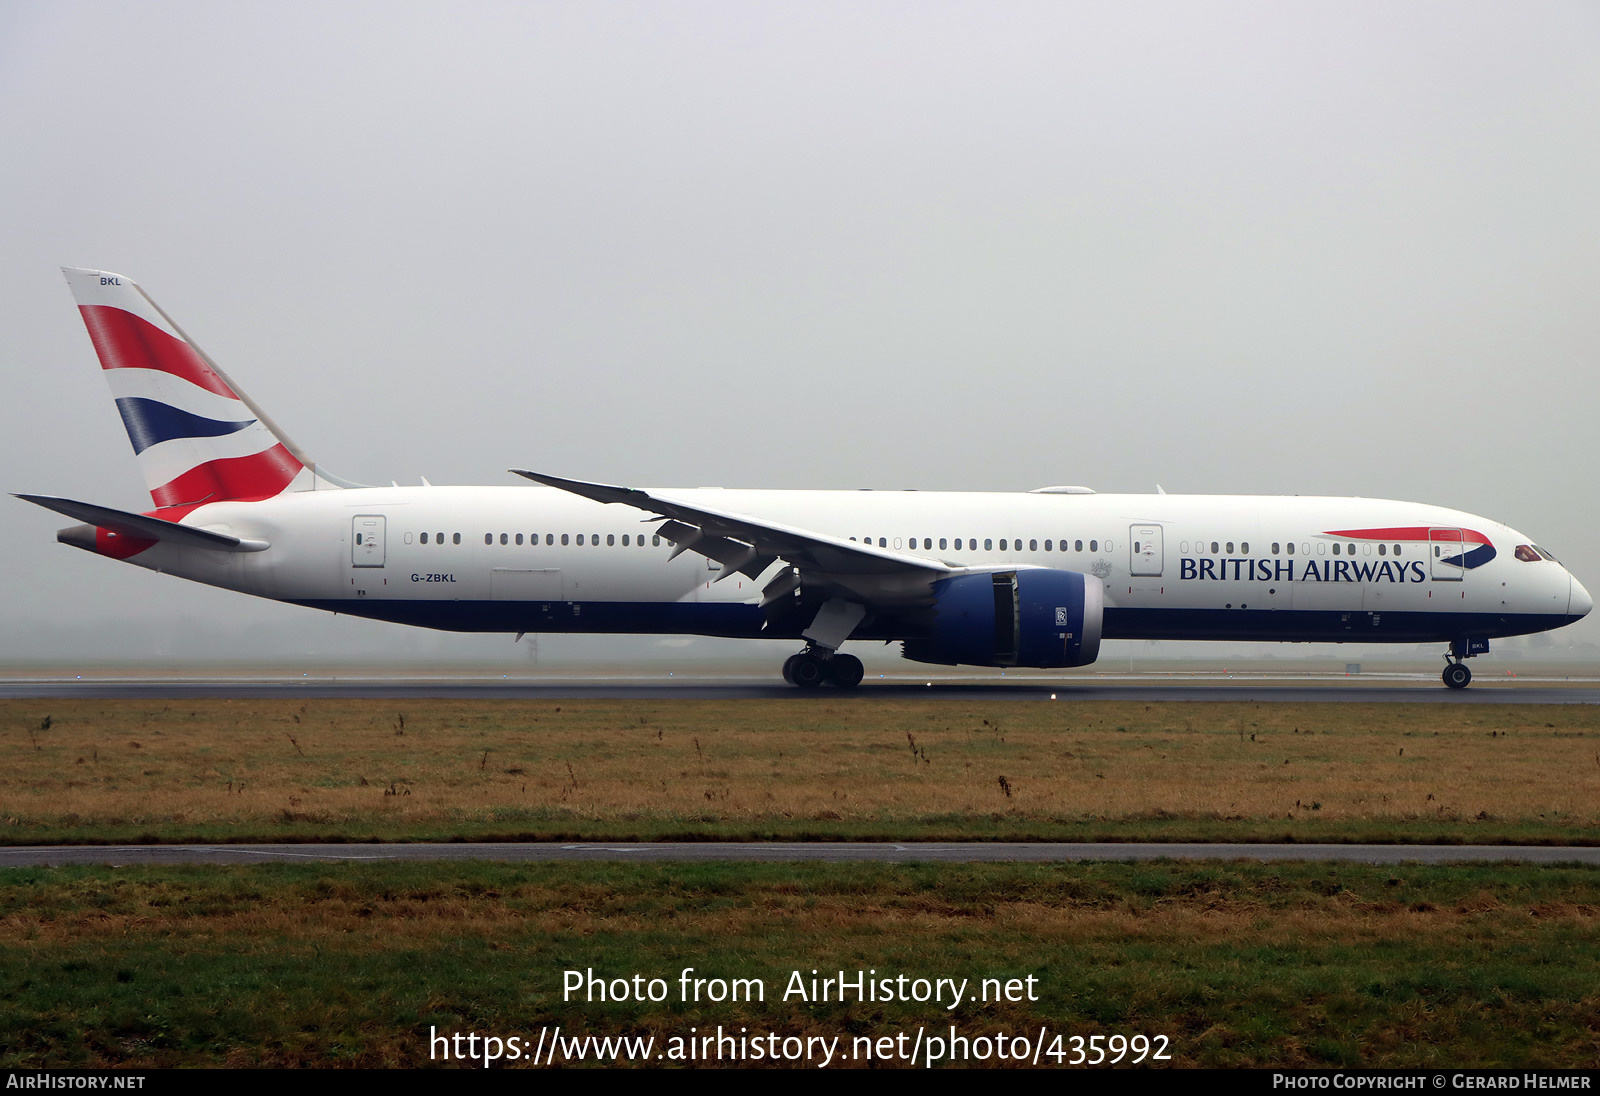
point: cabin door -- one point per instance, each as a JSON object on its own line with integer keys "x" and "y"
{"x": 1447, "y": 553}
{"x": 1144, "y": 548}
{"x": 367, "y": 540}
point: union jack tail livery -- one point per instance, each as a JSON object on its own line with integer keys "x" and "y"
{"x": 198, "y": 438}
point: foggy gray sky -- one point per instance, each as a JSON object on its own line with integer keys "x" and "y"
{"x": 1260, "y": 248}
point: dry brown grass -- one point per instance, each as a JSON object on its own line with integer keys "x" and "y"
{"x": 392, "y": 766}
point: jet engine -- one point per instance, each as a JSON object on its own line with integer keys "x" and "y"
{"x": 1033, "y": 616}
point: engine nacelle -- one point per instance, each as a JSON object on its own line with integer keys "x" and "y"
{"x": 1033, "y": 616}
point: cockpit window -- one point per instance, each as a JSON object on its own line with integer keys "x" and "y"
{"x": 1527, "y": 553}
{"x": 1545, "y": 554}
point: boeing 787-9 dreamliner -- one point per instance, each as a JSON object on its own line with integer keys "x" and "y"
{"x": 1032, "y": 578}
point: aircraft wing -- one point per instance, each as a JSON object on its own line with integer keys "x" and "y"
{"x": 749, "y": 545}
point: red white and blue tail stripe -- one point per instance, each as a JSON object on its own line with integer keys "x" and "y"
{"x": 198, "y": 438}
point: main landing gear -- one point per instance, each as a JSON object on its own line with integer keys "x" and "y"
{"x": 816, "y": 665}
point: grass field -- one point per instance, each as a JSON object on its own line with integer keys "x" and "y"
{"x": 1232, "y": 964}
{"x": 1235, "y": 964}
{"x": 807, "y": 768}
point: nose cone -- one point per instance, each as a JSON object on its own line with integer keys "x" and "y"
{"x": 1578, "y": 601}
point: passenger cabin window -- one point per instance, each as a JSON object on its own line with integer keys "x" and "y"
{"x": 424, "y": 538}
{"x": 488, "y": 538}
{"x": 456, "y": 537}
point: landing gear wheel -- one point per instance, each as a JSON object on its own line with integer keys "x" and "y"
{"x": 805, "y": 670}
{"x": 788, "y": 668}
{"x": 1457, "y": 675}
{"x": 845, "y": 671}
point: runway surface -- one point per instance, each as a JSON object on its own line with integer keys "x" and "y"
{"x": 1398, "y": 689}
{"x": 834, "y": 852}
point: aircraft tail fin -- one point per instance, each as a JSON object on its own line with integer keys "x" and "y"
{"x": 198, "y": 437}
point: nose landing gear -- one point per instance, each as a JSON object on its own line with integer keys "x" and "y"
{"x": 815, "y": 666}
{"x": 1456, "y": 674}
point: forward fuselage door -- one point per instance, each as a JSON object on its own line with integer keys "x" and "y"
{"x": 1447, "y": 552}
{"x": 1144, "y": 548}
{"x": 367, "y": 540}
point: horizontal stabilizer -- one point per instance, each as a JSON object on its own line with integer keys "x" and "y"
{"x": 144, "y": 527}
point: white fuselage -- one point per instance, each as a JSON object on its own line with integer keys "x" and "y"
{"x": 1171, "y": 566}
